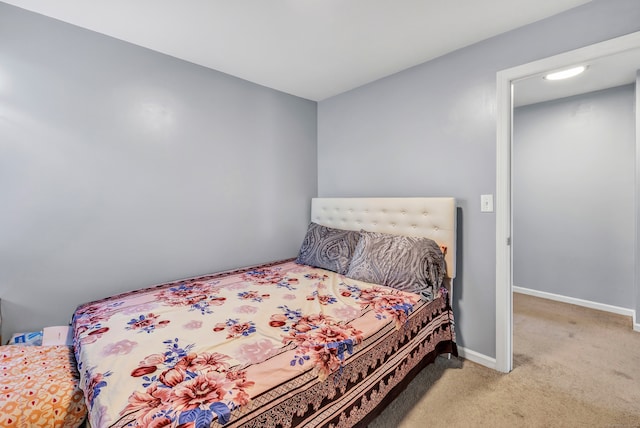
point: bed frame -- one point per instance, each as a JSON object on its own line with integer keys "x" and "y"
{"x": 433, "y": 218}
{"x": 353, "y": 396}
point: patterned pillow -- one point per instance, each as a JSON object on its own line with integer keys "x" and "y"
{"x": 406, "y": 263}
{"x": 328, "y": 248}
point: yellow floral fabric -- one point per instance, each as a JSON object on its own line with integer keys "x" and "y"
{"x": 39, "y": 387}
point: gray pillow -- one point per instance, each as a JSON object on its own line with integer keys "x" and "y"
{"x": 328, "y": 248}
{"x": 406, "y": 263}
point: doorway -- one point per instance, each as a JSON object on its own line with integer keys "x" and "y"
{"x": 504, "y": 253}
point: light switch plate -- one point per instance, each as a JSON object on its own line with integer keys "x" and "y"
{"x": 486, "y": 203}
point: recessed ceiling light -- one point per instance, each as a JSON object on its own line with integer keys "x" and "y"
{"x": 565, "y": 74}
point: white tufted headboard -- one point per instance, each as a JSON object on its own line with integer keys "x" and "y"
{"x": 434, "y": 218}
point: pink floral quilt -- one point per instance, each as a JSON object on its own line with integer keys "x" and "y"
{"x": 227, "y": 349}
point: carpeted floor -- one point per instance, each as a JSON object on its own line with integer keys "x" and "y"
{"x": 573, "y": 367}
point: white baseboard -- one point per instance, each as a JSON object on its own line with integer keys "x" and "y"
{"x": 477, "y": 357}
{"x": 586, "y": 303}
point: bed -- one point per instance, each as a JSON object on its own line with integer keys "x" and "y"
{"x": 311, "y": 341}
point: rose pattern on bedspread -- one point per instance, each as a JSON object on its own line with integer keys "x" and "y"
{"x": 319, "y": 339}
{"x": 384, "y": 301}
{"x": 231, "y": 339}
{"x": 236, "y": 328}
{"x": 146, "y": 323}
{"x": 198, "y": 296}
{"x": 273, "y": 276}
{"x": 182, "y": 387}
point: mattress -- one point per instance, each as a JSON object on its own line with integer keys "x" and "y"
{"x": 280, "y": 344}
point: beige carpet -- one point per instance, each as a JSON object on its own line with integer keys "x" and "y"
{"x": 573, "y": 367}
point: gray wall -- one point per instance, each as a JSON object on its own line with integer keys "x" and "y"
{"x": 431, "y": 130}
{"x": 573, "y": 197}
{"x": 121, "y": 167}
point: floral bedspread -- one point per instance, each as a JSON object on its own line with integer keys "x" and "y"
{"x": 192, "y": 352}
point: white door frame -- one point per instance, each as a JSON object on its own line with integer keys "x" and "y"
{"x": 504, "y": 112}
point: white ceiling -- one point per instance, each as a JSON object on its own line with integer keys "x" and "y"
{"x": 310, "y": 48}
{"x": 601, "y": 73}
